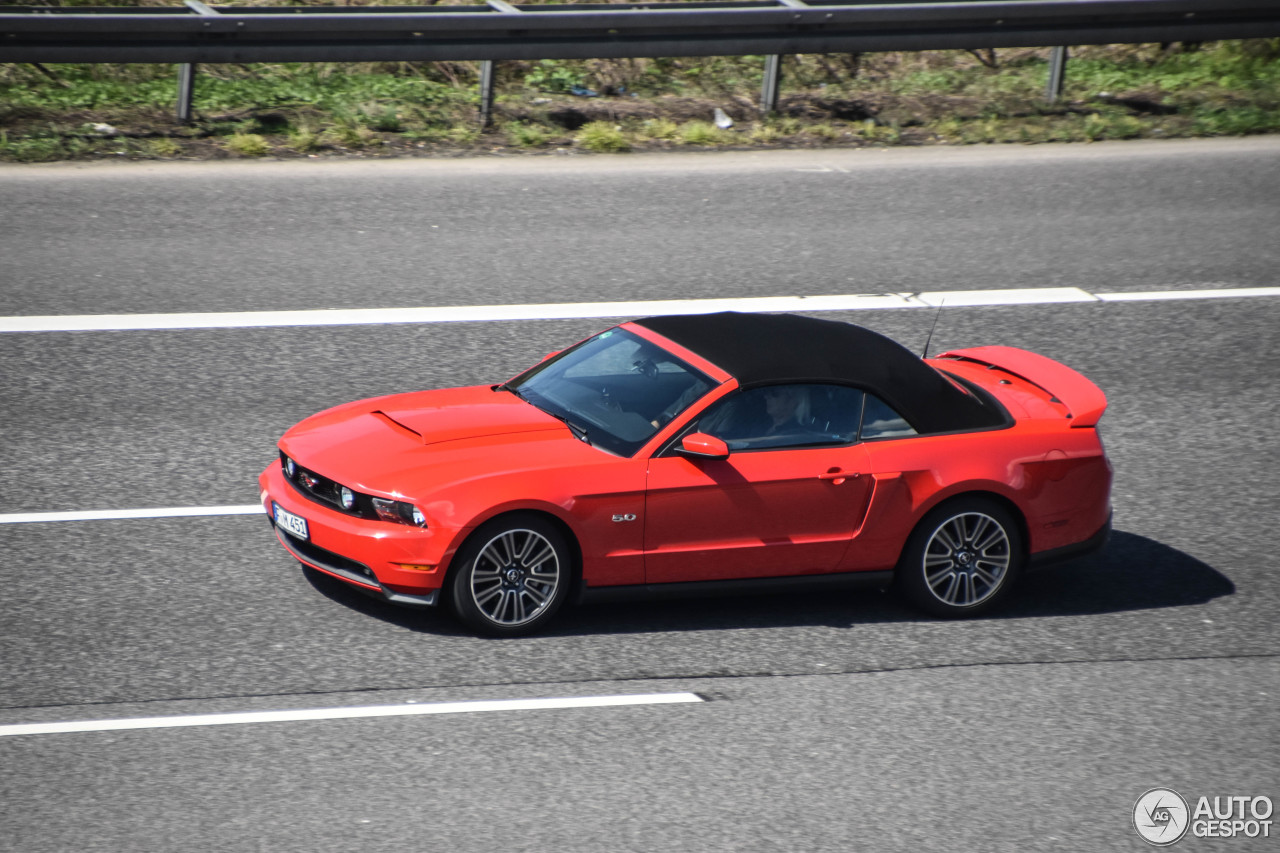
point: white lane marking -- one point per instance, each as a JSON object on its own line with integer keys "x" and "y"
{"x": 111, "y": 514}
{"x": 587, "y": 310}
{"x": 1019, "y": 296}
{"x": 444, "y": 314}
{"x": 307, "y": 714}
{"x": 1164, "y": 295}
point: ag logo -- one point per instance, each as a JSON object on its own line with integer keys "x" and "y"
{"x": 1161, "y": 816}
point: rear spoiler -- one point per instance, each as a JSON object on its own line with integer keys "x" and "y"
{"x": 1084, "y": 400}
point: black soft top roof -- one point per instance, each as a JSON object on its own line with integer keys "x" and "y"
{"x": 767, "y": 349}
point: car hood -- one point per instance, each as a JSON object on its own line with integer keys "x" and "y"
{"x": 387, "y": 444}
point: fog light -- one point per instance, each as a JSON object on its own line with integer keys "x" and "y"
{"x": 347, "y": 497}
{"x": 290, "y": 468}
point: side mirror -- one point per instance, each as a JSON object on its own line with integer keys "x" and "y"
{"x": 702, "y": 446}
{"x": 549, "y": 355}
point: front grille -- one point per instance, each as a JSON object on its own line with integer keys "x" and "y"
{"x": 320, "y": 489}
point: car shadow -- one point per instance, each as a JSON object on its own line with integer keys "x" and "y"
{"x": 1131, "y": 573}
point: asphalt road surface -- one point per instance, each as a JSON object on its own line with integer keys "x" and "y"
{"x": 828, "y": 722}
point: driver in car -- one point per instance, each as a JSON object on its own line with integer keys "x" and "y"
{"x": 754, "y": 417}
{"x": 782, "y": 405}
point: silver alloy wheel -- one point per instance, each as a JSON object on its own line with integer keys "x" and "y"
{"x": 966, "y": 559}
{"x": 515, "y": 577}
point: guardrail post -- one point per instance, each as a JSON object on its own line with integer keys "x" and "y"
{"x": 769, "y": 89}
{"x": 187, "y": 71}
{"x": 1057, "y": 73}
{"x": 186, "y": 83}
{"x": 773, "y": 69}
{"x": 502, "y": 7}
{"x": 486, "y": 94}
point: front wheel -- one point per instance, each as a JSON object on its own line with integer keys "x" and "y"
{"x": 512, "y": 575}
{"x": 962, "y": 558}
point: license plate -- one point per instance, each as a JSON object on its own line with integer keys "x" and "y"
{"x": 294, "y": 525}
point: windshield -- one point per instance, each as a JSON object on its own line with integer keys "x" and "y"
{"x": 614, "y": 390}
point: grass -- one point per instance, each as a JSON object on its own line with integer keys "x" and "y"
{"x": 378, "y": 109}
{"x": 248, "y": 145}
{"x": 304, "y": 139}
{"x": 703, "y": 133}
{"x": 603, "y": 137}
{"x": 526, "y": 135}
{"x": 659, "y": 128}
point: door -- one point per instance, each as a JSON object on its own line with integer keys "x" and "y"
{"x": 765, "y": 511}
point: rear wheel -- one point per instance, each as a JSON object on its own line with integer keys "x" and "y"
{"x": 512, "y": 576}
{"x": 962, "y": 559}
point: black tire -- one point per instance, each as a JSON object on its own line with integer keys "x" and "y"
{"x": 962, "y": 559}
{"x": 511, "y": 576}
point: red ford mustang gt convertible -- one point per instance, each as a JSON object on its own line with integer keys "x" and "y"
{"x": 723, "y": 452}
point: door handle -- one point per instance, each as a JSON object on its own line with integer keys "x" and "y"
{"x": 837, "y": 477}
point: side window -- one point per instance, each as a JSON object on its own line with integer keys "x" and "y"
{"x": 778, "y": 416}
{"x": 880, "y": 421}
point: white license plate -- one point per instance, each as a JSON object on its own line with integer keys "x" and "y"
{"x": 294, "y": 525}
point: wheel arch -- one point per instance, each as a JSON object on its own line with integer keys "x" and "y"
{"x": 570, "y": 538}
{"x": 1003, "y": 501}
{"x": 962, "y": 596}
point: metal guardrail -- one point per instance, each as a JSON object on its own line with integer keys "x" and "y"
{"x": 500, "y": 30}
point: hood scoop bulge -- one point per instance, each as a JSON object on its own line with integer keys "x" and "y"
{"x": 433, "y": 418}
{"x": 403, "y": 429}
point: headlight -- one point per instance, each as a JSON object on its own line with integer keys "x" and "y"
{"x": 347, "y": 497}
{"x": 400, "y": 512}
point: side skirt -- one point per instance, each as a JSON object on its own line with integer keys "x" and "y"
{"x": 744, "y": 586}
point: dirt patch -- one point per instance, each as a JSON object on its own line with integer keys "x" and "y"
{"x": 573, "y": 114}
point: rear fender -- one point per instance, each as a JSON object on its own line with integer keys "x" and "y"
{"x": 899, "y": 500}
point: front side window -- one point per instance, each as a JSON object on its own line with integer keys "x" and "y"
{"x": 614, "y": 390}
{"x": 781, "y": 416}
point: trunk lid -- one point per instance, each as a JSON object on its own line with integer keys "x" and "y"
{"x": 1082, "y": 401}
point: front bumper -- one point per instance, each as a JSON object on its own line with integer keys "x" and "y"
{"x": 369, "y": 555}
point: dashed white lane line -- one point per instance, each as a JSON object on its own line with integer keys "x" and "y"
{"x": 1017, "y": 296}
{"x": 1165, "y": 295}
{"x": 584, "y": 310}
{"x": 445, "y": 314}
{"x": 111, "y": 514}
{"x": 309, "y": 714}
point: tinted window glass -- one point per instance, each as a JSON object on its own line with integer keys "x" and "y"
{"x": 880, "y": 421}
{"x": 616, "y": 389}
{"x": 778, "y": 416}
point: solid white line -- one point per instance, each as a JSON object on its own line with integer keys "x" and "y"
{"x": 111, "y": 514}
{"x": 586, "y": 310}
{"x": 1174, "y": 295}
{"x": 1018, "y": 296}
{"x": 307, "y": 714}
{"x": 445, "y": 314}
